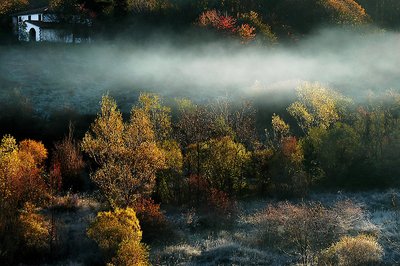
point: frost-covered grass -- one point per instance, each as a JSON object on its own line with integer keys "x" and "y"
{"x": 241, "y": 242}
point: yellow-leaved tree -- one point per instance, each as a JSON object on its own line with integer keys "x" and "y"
{"x": 317, "y": 106}
{"x": 347, "y": 12}
{"x": 126, "y": 153}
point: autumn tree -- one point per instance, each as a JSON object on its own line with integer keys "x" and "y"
{"x": 337, "y": 151}
{"x": 169, "y": 179}
{"x": 318, "y": 112}
{"x": 21, "y": 172}
{"x": 126, "y": 153}
{"x": 235, "y": 119}
{"x": 317, "y": 106}
{"x": 223, "y": 163}
{"x": 170, "y": 182}
{"x": 345, "y": 12}
{"x": 378, "y": 126}
{"x": 261, "y": 31}
{"x": 22, "y": 181}
{"x": 10, "y": 6}
{"x": 194, "y": 126}
{"x": 286, "y": 175}
{"x": 159, "y": 114}
{"x": 303, "y": 16}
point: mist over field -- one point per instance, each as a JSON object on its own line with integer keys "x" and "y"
{"x": 75, "y": 77}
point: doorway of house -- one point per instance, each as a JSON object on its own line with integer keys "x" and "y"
{"x": 32, "y": 35}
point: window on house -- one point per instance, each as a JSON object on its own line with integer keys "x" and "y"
{"x": 40, "y": 17}
{"x": 29, "y": 17}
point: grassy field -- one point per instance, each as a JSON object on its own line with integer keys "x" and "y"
{"x": 195, "y": 237}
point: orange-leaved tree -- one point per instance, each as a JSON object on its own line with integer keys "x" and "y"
{"x": 22, "y": 181}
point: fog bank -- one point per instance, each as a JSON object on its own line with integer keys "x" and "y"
{"x": 54, "y": 76}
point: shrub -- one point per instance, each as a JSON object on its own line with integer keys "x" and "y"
{"x": 68, "y": 202}
{"x": 306, "y": 229}
{"x": 353, "y": 251}
{"x": 152, "y": 220}
{"x": 113, "y": 228}
{"x": 131, "y": 253}
{"x": 34, "y": 229}
{"x": 220, "y": 208}
{"x": 197, "y": 189}
{"x": 67, "y": 154}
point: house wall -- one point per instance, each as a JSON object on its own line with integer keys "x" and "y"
{"x": 53, "y": 35}
{"x": 29, "y": 26}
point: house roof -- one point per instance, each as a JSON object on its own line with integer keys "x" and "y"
{"x": 33, "y": 11}
{"x": 53, "y": 25}
{"x": 45, "y": 25}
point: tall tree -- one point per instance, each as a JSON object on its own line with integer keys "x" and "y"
{"x": 126, "y": 153}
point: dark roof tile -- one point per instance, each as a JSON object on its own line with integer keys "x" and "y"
{"x": 33, "y": 11}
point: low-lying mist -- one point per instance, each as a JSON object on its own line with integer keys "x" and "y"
{"x": 74, "y": 77}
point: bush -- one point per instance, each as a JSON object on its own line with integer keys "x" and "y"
{"x": 35, "y": 230}
{"x": 152, "y": 220}
{"x": 306, "y": 229}
{"x": 67, "y": 154}
{"x": 131, "y": 253}
{"x": 353, "y": 251}
{"x": 220, "y": 208}
{"x": 113, "y": 228}
{"x": 68, "y": 202}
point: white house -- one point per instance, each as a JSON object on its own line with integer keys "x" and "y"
{"x": 42, "y": 25}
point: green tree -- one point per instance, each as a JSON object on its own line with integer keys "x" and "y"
{"x": 337, "y": 150}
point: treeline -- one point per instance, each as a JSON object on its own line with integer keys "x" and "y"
{"x": 286, "y": 20}
{"x": 194, "y": 155}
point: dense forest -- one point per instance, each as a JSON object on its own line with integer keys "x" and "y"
{"x": 235, "y": 159}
